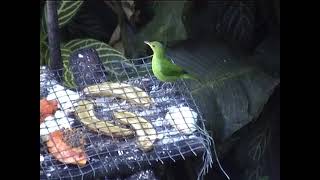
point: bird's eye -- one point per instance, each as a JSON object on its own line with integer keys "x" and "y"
{"x": 153, "y": 45}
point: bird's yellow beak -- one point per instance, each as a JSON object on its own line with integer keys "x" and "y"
{"x": 147, "y": 42}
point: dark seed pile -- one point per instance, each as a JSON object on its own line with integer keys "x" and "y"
{"x": 74, "y": 137}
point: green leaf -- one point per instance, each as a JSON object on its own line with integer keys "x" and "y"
{"x": 166, "y": 26}
{"x": 66, "y": 11}
{"x": 237, "y": 22}
{"x": 113, "y": 60}
{"x": 90, "y": 25}
{"x": 43, "y": 23}
{"x": 234, "y": 92}
{"x": 106, "y": 52}
{"x": 67, "y": 74}
{"x": 267, "y": 55}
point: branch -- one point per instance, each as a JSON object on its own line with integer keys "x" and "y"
{"x": 53, "y": 35}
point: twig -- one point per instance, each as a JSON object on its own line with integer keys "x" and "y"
{"x": 53, "y": 35}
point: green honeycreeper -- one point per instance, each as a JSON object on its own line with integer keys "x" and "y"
{"x": 163, "y": 68}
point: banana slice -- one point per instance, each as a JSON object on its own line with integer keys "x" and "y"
{"x": 144, "y": 129}
{"x": 85, "y": 113}
{"x": 120, "y": 90}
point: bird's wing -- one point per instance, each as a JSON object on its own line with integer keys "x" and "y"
{"x": 170, "y": 69}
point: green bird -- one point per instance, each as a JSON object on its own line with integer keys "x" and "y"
{"x": 163, "y": 68}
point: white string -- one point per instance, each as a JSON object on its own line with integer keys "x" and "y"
{"x": 215, "y": 153}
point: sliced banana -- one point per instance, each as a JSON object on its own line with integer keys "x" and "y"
{"x": 85, "y": 112}
{"x": 120, "y": 90}
{"x": 144, "y": 129}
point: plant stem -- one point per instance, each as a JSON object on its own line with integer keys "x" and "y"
{"x": 53, "y": 35}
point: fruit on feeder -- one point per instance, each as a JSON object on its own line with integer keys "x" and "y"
{"x": 47, "y": 108}
{"x": 120, "y": 90}
{"x": 85, "y": 113}
{"x": 64, "y": 151}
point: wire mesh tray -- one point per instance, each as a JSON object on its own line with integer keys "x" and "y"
{"x": 107, "y": 155}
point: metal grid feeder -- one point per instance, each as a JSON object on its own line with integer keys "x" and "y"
{"x": 108, "y": 155}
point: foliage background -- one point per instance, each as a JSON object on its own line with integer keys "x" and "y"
{"x": 233, "y": 45}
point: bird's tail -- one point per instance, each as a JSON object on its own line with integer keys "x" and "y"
{"x": 189, "y": 76}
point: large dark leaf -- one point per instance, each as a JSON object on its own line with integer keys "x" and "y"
{"x": 268, "y": 55}
{"x": 66, "y": 11}
{"x": 237, "y": 23}
{"x": 234, "y": 92}
{"x": 255, "y": 155}
{"x": 93, "y": 20}
{"x": 166, "y": 25}
{"x": 232, "y": 21}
